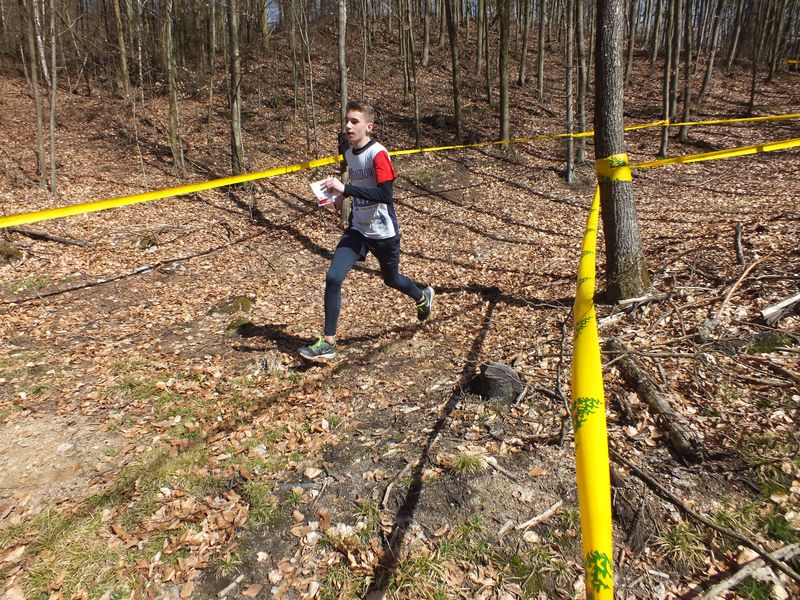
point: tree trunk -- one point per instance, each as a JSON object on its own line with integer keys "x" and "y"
{"x": 28, "y": 8}
{"x": 683, "y": 134}
{"x": 235, "y": 89}
{"x": 632, "y": 18}
{"x": 656, "y": 47}
{"x": 626, "y": 274}
{"x": 426, "y": 32}
{"x": 481, "y": 32}
{"x": 342, "y": 62}
{"x": 662, "y": 152}
{"x": 504, "y": 15}
{"x": 714, "y": 42}
{"x": 737, "y": 31}
{"x": 170, "y": 68}
{"x": 123, "y": 52}
{"x": 527, "y": 7}
{"x": 540, "y": 63}
{"x": 751, "y": 106}
{"x": 53, "y": 98}
{"x": 264, "y": 24}
{"x": 582, "y": 77}
{"x": 677, "y": 37}
{"x": 569, "y": 172}
{"x": 212, "y": 35}
{"x": 777, "y": 41}
{"x": 414, "y": 78}
{"x": 452, "y": 32}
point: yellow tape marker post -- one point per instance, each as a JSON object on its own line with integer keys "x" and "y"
{"x": 589, "y": 422}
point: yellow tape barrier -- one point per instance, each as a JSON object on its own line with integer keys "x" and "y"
{"x": 98, "y": 205}
{"x": 589, "y": 422}
{"x": 588, "y": 396}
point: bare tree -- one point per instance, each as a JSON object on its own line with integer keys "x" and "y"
{"x": 452, "y": 32}
{"x": 28, "y": 9}
{"x": 540, "y": 61}
{"x": 235, "y": 89}
{"x": 626, "y": 274}
{"x": 53, "y": 98}
{"x": 569, "y": 172}
{"x": 580, "y": 157}
{"x": 342, "y": 39}
{"x": 504, "y": 15}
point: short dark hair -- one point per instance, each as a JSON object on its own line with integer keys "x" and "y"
{"x": 362, "y": 107}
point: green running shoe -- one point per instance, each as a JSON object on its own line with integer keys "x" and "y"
{"x": 425, "y": 305}
{"x": 319, "y": 350}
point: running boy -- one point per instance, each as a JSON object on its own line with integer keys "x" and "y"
{"x": 372, "y": 226}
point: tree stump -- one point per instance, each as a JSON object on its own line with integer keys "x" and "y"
{"x": 500, "y": 383}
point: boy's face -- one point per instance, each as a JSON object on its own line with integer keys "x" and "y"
{"x": 358, "y": 128}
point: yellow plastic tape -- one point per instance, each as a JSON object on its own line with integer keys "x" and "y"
{"x": 98, "y": 205}
{"x": 589, "y": 423}
{"x": 738, "y": 120}
{"x": 718, "y": 154}
{"x": 613, "y": 168}
{"x": 182, "y": 190}
{"x": 793, "y": 61}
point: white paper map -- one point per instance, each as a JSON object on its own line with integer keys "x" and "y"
{"x": 324, "y": 197}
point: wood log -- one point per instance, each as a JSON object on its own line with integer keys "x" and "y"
{"x": 773, "y": 314}
{"x": 682, "y": 439}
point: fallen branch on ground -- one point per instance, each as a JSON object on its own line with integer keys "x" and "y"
{"x": 682, "y": 439}
{"x": 47, "y": 237}
{"x": 539, "y": 518}
{"x": 785, "y": 553}
{"x": 672, "y": 499}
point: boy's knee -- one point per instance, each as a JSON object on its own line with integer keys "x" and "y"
{"x": 333, "y": 278}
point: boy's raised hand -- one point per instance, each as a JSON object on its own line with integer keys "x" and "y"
{"x": 334, "y": 185}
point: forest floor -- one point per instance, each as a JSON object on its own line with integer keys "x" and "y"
{"x": 159, "y": 433}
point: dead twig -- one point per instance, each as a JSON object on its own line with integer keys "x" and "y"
{"x": 672, "y": 499}
{"x": 48, "y": 237}
{"x": 785, "y": 553}
{"x": 737, "y": 243}
{"x": 539, "y": 518}
{"x": 742, "y": 277}
{"x": 492, "y": 462}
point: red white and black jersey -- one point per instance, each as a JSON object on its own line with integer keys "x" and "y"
{"x": 370, "y": 167}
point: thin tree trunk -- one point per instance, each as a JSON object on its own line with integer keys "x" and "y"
{"x": 414, "y": 78}
{"x": 170, "y": 68}
{"x": 212, "y": 36}
{"x": 778, "y": 41}
{"x": 504, "y": 9}
{"x": 342, "y": 20}
{"x": 683, "y": 134}
{"x": 426, "y": 32}
{"x": 626, "y": 273}
{"x": 527, "y": 7}
{"x": 481, "y": 32}
{"x": 235, "y": 89}
{"x": 737, "y": 31}
{"x": 452, "y": 31}
{"x": 123, "y": 52}
{"x": 714, "y": 42}
{"x": 540, "y": 63}
{"x": 569, "y": 172}
{"x": 632, "y": 18}
{"x": 751, "y": 106}
{"x": 582, "y": 77}
{"x": 53, "y": 98}
{"x": 656, "y": 47}
{"x": 677, "y": 38}
{"x": 27, "y": 6}
{"x": 40, "y": 45}
{"x": 662, "y": 152}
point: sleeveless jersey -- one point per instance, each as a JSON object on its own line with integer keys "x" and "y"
{"x": 368, "y": 167}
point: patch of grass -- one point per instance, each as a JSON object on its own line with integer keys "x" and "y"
{"x": 129, "y": 387}
{"x": 334, "y": 421}
{"x": 752, "y": 589}
{"x": 229, "y": 563}
{"x": 766, "y": 343}
{"x": 340, "y": 583}
{"x": 467, "y": 464}
{"x": 293, "y": 499}
{"x": 467, "y": 543}
{"x": 34, "y": 282}
{"x": 778, "y": 528}
{"x": 263, "y": 508}
{"x": 682, "y": 546}
{"x": 418, "y": 577}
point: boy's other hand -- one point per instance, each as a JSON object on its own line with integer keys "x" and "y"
{"x": 338, "y": 202}
{"x": 334, "y": 185}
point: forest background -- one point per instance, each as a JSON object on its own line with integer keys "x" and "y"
{"x": 161, "y": 437}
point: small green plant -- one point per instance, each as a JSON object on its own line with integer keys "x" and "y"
{"x": 334, "y": 421}
{"x": 294, "y": 499}
{"x": 340, "y": 583}
{"x": 682, "y": 546}
{"x": 229, "y": 563}
{"x": 778, "y": 528}
{"x": 467, "y": 464}
{"x": 263, "y": 508}
{"x": 766, "y": 343}
{"x": 752, "y": 589}
{"x": 35, "y": 283}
